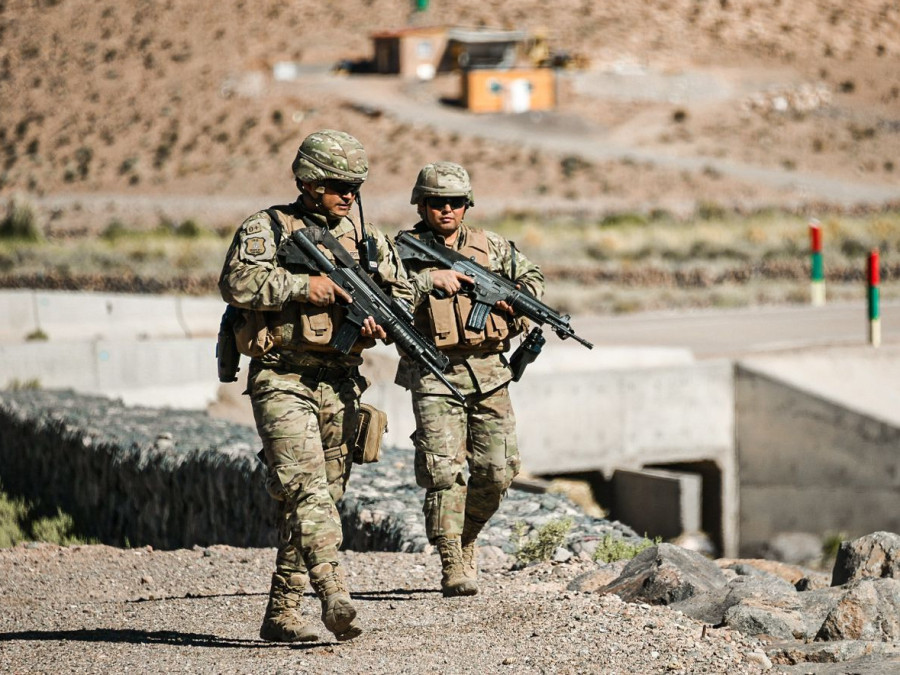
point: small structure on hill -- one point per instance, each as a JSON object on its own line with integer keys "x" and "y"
{"x": 496, "y": 74}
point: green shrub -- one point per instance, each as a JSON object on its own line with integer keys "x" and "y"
{"x": 22, "y": 521}
{"x": 623, "y": 219}
{"x": 26, "y": 385}
{"x": 20, "y": 222}
{"x": 540, "y": 546}
{"x": 610, "y": 548}
{"x": 188, "y": 229}
{"x": 114, "y": 230}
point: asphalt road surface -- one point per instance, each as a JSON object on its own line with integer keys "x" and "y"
{"x": 726, "y": 333}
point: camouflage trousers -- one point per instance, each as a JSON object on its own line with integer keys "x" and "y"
{"x": 306, "y": 425}
{"x": 450, "y": 436}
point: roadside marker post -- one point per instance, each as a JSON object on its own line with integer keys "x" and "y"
{"x": 817, "y": 271}
{"x": 874, "y": 278}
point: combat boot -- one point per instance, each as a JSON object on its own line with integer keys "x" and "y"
{"x": 283, "y": 622}
{"x": 454, "y": 581}
{"x": 338, "y": 613}
{"x": 470, "y": 551}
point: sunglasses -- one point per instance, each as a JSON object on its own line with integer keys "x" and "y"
{"x": 437, "y": 203}
{"x": 340, "y": 187}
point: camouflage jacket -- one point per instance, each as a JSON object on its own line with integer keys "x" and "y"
{"x": 252, "y": 277}
{"x": 471, "y": 370}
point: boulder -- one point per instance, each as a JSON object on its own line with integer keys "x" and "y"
{"x": 868, "y": 610}
{"x": 665, "y": 574}
{"x": 868, "y": 657}
{"x": 874, "y": 556}
{"x": 594, "y": 580}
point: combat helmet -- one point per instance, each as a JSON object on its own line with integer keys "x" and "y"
{"x": 330, "y": 154}
{"x": 442, "y": 179}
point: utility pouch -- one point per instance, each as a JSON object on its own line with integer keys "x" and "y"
{"x": 251, "y": 334}
{"x": 228, "y": 357}
{"x": 369, "y": 431}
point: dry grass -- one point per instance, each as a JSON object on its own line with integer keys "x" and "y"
{"x": 625, "y": 262}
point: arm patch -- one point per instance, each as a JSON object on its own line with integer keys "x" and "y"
{"x": 257, "y": 241}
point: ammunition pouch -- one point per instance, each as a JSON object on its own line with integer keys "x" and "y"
{"x": 251, "y": 334}
{"x": 370, "y": 430}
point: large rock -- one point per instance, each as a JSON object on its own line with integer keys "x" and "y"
{"x": 874, "y": 556}
{"x": 868, "y": 610}
{"x": 665, "y": 574}
{"x": 872, "y": 658}
{"x": 748, "y": 584}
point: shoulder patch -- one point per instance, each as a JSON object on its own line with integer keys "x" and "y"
{"x": 257, "y": 241}
{"x": 255, "y": 246}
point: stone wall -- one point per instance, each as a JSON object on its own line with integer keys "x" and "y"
{"x": 136, "y": 476}
{"x": 175, "y": 479}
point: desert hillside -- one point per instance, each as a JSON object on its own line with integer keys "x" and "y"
{"x": 114, "y": 110}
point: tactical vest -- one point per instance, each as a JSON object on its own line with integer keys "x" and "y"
{"x": 444, "y": 319}
{"x": 303, "y": 326}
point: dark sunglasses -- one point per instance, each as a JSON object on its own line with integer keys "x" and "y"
{"x": 437, "y": 203}
{"x": 340, "y": 187}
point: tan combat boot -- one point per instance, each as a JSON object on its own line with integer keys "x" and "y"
{"x": 338, "y": 613}
{"x": 454, "y": 581}
{"x": 470, "y": 552}
{"x": 283, "y": 622}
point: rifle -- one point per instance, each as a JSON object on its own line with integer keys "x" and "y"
{"x": 488, "y": 288}
{"x": 368, "y": 300}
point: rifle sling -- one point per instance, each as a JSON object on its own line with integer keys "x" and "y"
{"x": 320, "y": 235}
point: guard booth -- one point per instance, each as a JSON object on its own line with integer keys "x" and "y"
{"x": 495, "y": 76}
{"x": 410, "y": 52}
{"x": 496, "y": 73}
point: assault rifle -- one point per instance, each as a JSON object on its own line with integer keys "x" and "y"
{"x": 488, "y": 288}
{"x": 368, "y": 300}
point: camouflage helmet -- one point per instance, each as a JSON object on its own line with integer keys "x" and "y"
{"x": 330, "y": 154}
{"x": 442, "y": 179}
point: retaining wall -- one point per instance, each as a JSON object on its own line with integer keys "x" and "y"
{"x": 176, "y": 479}
{"x": 809, "y": 464}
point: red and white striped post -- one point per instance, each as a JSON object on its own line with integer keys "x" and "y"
{"x": 817, "y": 270}
{"x": 874, "y": 278}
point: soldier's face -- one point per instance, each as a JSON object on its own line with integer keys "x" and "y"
{"x": 444, "y": 215}
{"x": 335, "y": 198}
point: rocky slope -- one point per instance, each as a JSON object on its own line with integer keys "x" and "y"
{"x": 155, "y": 104}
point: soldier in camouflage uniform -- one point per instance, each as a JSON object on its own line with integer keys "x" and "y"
{"x": 305, "y": 395}
{"x": 480, "y": 433}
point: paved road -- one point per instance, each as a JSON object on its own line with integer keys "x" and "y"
{"x": 717, "y": 333}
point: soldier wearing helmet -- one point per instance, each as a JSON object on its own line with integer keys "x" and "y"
{"x": 305, "y": 395}
{"x": 479, "y": 434}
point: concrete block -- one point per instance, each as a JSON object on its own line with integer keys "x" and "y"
{"x": 162, "y": 373}
{"x": 658, "y": 503}
{"x": 609, "y": 419}
{"x": 17, "y": 309}
{"x": 807, "y": 463}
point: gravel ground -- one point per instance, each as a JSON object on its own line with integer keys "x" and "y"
{"x": 97, "y": 609}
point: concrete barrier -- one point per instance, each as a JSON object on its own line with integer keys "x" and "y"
{"x": 657, "y": 503}
{"x": 71, "y": 316}
{"x": 809, "y": 464}
{"x": 176, "y": 373}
